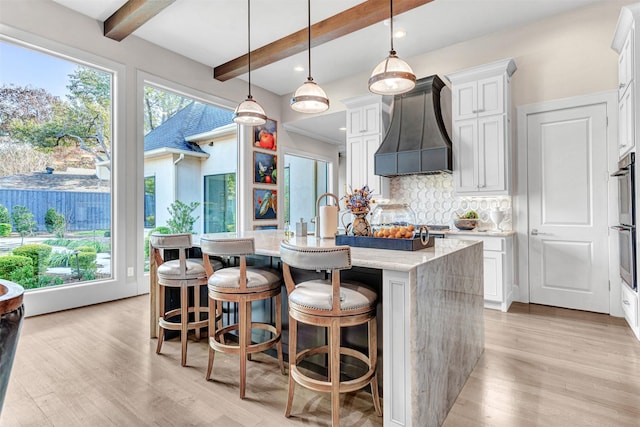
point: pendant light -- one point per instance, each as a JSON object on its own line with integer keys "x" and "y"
{"x": 249, "y": 112}
{"x": 309, "y": 98}
{"x": 392, "y": 76}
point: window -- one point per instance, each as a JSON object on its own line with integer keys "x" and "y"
{"x": 220, "y": 203}
{"x": 149, "y": 202}
{"x": 304, "y": 181}
{"x": 55, "y": 169}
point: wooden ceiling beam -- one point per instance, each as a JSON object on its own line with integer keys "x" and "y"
{"x": 356, "y": 18}
{"x": 131, "y": 16}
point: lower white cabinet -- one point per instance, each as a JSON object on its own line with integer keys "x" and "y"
{"x": 498, "y": 268}
{"x": 630, "y": 308}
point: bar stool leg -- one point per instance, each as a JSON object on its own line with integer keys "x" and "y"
{"x": 212, "y": 332}
{"x": 334, "y": 356}
{"x": 248, "y": 343}
{"x": 196, "y": 309}
{"x": 184, "y": 321}
{"x": 161, "y": 317}
{"x": 279, "y": 331}
{"x": 242, "y": 342}
{"x": 373, "y": 360}
{"x": 293, "y": 354}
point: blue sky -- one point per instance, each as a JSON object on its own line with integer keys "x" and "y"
{"x": 25, "y": 67}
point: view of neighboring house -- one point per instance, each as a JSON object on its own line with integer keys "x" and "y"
{"x": 192, "y": 157}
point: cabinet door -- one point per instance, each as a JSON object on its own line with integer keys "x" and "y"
{"x": 356, "y": 168}
{"x": 465, "y": 153}
{"x": 363, "y": 120}
{"x": 370, "y": 145}
{"x": 465, "y": 101}
{"x": 354, "y": 120}
{"x": 371, "y": 119}
{"x": 491, "y": 154}
{"x": 626, "y": 121}
{"x": 626, "y": 64}
{"x": 490, "y": 96}
{"x": 493, "y": 276}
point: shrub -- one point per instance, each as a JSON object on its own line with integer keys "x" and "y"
{"x": 23, "y": 221}
{"x": 60, "y": 259}
{"x": 16, "y": 268}
{"x": 87, "y": 260}
{"x": 4, "y": 215}
{"x": 41, "y": 282}
{"x": 5, "y": 229}
{"x": 86, "y": 249}
{"x": 159, "y": 230}
{"x": 49, "y": 219}
{"x": 38, "y": 253}
{"x": 181, "y": 220}
{"x": 55, "y": 223}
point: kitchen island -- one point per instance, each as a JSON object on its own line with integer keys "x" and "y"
{"x": 432, "y": 311}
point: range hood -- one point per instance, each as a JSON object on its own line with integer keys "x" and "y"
{"x": 417, "y": 141}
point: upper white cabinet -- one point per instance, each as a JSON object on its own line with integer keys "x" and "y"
{"x": 478, "y": 98}
{"x": 364, "y": 135}
{"x": 363, "y": 120}
{"x": 624, "y": 42}
{"x": 482, "y": 128}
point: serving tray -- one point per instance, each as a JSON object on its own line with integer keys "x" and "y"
{"x": 414, "y": 244}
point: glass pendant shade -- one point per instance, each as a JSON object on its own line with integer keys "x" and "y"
{"x": 249, "y": 112}
{"x": 392, "y": 76}
{"x": 310, "y": 98}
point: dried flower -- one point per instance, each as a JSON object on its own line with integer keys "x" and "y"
{"x": 358, "y": 200}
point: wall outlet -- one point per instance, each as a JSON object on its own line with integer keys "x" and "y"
{"x": 130, "y": 271}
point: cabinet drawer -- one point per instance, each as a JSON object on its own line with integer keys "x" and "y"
{"x": 489, "y": 243}
{"x": 630, "y": 305}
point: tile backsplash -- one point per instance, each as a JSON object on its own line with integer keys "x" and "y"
{"x": 433, "y": 199}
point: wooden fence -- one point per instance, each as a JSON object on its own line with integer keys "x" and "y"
{"x": 83, "y": 211}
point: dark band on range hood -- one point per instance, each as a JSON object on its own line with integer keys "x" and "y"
{"x": 417, "y": 141}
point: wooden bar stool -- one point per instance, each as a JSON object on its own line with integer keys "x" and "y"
{"x": 184, "y": 274}
{"x": 241, "y": 285}
{"x": 330, "y": 304}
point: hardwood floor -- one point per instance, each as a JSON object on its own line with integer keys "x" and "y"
{"x": 96, "y": 366}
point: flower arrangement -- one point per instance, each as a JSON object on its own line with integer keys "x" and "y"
{"x": 358, "y": 200}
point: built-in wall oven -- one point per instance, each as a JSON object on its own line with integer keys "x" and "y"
{"x": 626, "y": 227}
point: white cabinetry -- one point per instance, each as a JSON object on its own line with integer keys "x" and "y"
{"x": 498, "y": 269}
{"x": 481, "y": 128}
{"x": 364, "y": 135}
{"x": 624, "y": 43}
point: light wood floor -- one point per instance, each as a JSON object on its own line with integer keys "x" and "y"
{"x": 96, "y": 366}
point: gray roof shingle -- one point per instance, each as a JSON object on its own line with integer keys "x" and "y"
{"x": 193, "y": 119}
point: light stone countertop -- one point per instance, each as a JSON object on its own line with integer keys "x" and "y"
{"x": 267, "y": 242}
{"x": 487, "y": 233}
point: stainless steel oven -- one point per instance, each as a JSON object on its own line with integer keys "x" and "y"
{"x": 627, "y": 243}
{"x": 626, "y": 199}
{"x": 627, "y": 215}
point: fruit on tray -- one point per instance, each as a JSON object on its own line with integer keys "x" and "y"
{"x": 396, "y": 232}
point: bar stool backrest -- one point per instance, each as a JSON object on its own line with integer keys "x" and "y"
{"x": 240, "y": 247}
{"x": 181, "y": 242}
{"x": 333, "y": 259}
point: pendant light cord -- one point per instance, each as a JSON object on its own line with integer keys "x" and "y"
{"x": 391, "y": 22}
{"x": 249, "y": 42}
{"x": 309, "y": 36}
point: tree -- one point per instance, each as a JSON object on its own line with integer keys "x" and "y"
{"x": 55, "y": 223}
{"x": 181, "y": 220}
{"x": 4, "y": 215}
{"x": 23, "y": 221}
{"x": 25, "y": 104}
{"x": 160, "y": 105}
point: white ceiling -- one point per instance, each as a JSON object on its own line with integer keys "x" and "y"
{"x": 215, "y": 31}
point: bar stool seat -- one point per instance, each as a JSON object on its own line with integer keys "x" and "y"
{"x": 332, "y": 304}
{"x": 184, "y": 274}
{"x": 241, "y": 285}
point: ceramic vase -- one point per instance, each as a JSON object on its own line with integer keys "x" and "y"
{"x": 496, "y": 216}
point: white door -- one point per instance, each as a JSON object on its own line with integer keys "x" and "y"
{"x": 567, "y": 196}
